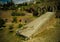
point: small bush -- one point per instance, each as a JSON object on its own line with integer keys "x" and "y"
{"x": 25, "y": 21}
{"x": 11, "y": 27}
{"x": 14, "y": 19}
{"x": 20, "y": 25}
{"x": 20, "y": 20}
{"x": 11, "y": 30}
{"x": 1, "y": 28}
{"x": 17, "y": 14}
{"x": 30, "y": 10}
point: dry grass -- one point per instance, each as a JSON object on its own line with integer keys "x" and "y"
{"x": 49, "y": 35}
{"x": 5, "y": 34}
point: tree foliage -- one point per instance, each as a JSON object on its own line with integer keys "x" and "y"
{"x": 35, "y": 13}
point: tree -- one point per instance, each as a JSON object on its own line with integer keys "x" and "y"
{"x": 0, "y": 5}
{"x": 9, "y": 5}
{"x": 35, "y": 13}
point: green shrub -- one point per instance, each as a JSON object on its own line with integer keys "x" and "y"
{"x": 17, "y": 14}
{"x": 11, "y": 31}
{"x": 11, "y": 27}
{"x": 14, "y": 19}
{"x": 25, "y": 21}
{"x": 20, "y": 25}
{"x": 2, "y": 22}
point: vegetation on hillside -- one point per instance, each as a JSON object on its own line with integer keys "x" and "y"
{"x": 2, "y": 22}
{"x": 17, "y": 14}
